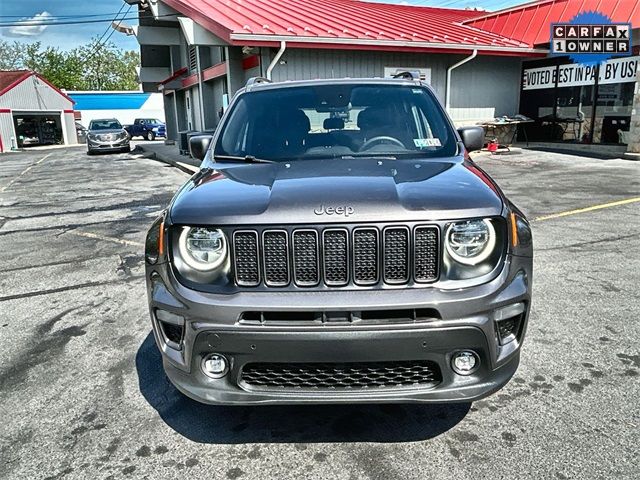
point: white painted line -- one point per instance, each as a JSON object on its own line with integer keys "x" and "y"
{"x": 95, "y": 236}
{"x": 4, "y": 189}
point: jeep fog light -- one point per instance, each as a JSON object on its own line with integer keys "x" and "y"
{"x": 465, "y": 362}
{"x": 214, "y": 365}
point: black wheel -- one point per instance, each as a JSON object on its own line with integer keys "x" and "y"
{"x": 126, "y": 149}
{"x": 151, "y": 136}
{"x": 90, "y": 152}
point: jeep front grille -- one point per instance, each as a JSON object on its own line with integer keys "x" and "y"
{"x": 357, "y": 256}
{"x": 341, "y": 376}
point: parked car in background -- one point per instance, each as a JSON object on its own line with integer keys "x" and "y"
{"x": 148, "y": 128}
{"x": 81, "y": 132}
{"x": 107, "y": 135}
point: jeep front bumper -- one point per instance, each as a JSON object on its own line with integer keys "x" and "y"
{"x": 466, "y": 321}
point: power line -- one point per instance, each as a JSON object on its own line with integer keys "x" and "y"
{"x": 100, "y": 43}
{"x": 35, "y": 23}
{"x": 62, "y": 16}
{"x": 113, "y": 29}
{"x": 107, "y": 29}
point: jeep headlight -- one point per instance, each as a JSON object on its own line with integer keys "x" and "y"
{"x": 202, "y": 249}
{"x": 470, "y": 242}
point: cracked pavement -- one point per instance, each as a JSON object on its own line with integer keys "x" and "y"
{"x": 82, "y": 393}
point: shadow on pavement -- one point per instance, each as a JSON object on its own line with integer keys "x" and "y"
{"x": 308, "y": 423}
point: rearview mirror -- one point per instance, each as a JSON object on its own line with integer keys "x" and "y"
{"x": 198, "y": 146}
{"x": 472, "y": 138}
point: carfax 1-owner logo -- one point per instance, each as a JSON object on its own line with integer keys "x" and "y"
{"x": 591, "y": 38}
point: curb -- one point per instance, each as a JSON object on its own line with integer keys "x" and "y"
{"x": 150, "y": 154}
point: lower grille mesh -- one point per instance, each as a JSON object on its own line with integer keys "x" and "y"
{"x": 348, "y": 376}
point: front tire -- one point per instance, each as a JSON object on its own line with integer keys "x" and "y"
{"x": 90, "y": 152}
{"x": 151, "y": 136}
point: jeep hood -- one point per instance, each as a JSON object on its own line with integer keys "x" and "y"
{"x": 337, "y": 191}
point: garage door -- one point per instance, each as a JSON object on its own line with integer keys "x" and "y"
{"x": 38, "y": 128}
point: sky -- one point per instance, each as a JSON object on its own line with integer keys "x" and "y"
{"x": 67, "y": 37}
{"x": 64, "y": 37}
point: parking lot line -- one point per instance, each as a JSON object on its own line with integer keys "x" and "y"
{"x": 588, "y": 209}
{"x": 4, "y": 189}
{"x": 95, "y": 236}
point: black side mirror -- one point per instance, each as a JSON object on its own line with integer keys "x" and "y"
{"x": 472, "y": 137}
{"x": 198, "y": 146}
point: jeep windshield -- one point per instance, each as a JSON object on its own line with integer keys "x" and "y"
{"x": 336, "y": 121}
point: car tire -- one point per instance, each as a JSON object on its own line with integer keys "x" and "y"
{"x": 126, "y": 149}
{"x": 90, "y": 152}
{"x": 151, "y": 136}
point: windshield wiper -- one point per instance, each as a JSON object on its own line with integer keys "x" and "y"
{"x": 377, "y": 156}
{"x": 245, "y": 159}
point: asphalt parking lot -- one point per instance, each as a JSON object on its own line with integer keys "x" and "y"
{"x": 82, "y": 393}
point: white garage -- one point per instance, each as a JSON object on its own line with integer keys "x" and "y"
{"x": 33, "y": 112}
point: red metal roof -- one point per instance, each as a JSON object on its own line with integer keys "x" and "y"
{"x": 344, "y": 24}
{"x": 530, "y": 23}
{"x": 11, "y": 78}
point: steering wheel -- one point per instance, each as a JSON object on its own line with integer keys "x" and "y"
{"x": 381, "y": 139}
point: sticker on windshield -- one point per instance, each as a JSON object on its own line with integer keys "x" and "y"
{"x": 427, "y": 142}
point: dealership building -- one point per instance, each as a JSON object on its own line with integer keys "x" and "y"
{"x": 482, "y": 65}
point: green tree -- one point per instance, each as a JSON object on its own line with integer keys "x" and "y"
{"x": 60, "y": 68}
{"x": 12, "y": 55}
{"x": 96, "y": 66}
{"x": 107, "y": 67}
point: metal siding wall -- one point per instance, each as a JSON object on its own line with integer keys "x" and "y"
{"x": 211, "y": 102}
{"x": 6, "y": 130}
{"x": 195, "y": 108}
{"x": 305, "y": 64}
{"x": 169, "y": 108}
{"x": 34, "y": 94}
{"x": 479, "y": 87}
{"x": 487, "y": 82}
{"x": 70, "y": 126}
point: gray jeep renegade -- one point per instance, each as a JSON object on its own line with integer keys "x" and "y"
{"x": 339, "y": 245}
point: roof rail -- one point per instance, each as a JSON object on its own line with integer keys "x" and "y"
{"x": 256, "y": 80}
{"x": 406, "y": 75}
